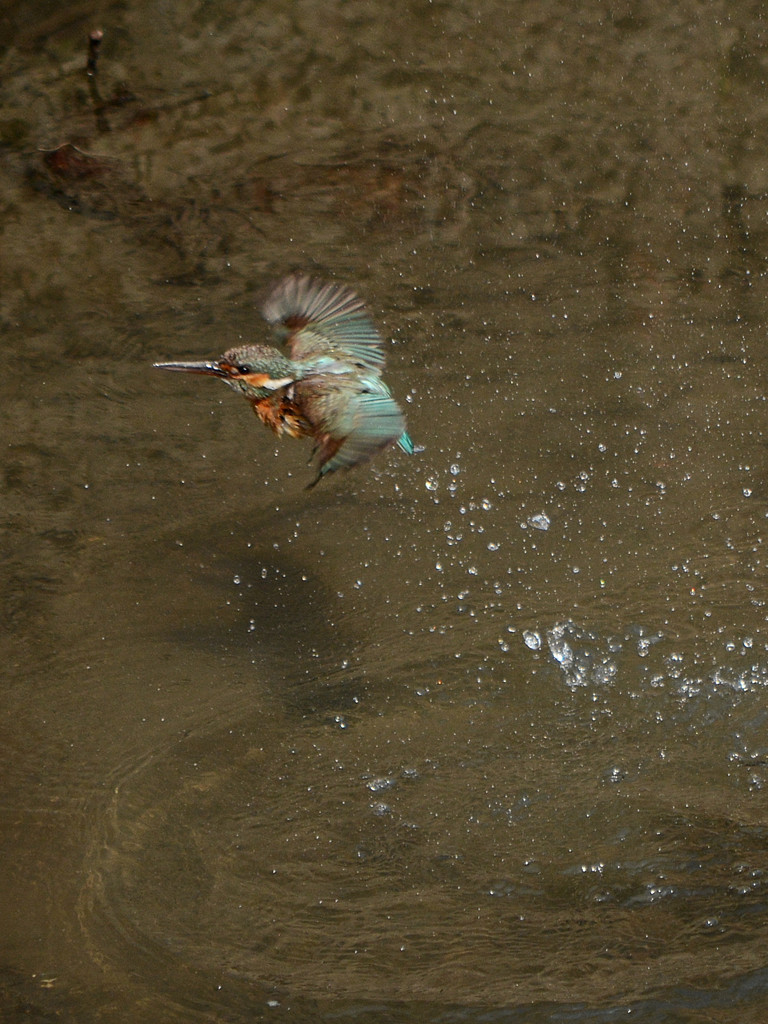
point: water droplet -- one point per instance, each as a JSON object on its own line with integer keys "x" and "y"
{"x": 532, "y": 639}
{"x": 540, "y": 521}
{"x": 376, "y": 785}
{"x": 431, "y": 483}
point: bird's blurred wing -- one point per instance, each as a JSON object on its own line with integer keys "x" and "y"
{"x": 315, "y": 318}
{"x": 351, "y": 422}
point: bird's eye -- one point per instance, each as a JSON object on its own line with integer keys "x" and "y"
{"x": 243, "y": 368}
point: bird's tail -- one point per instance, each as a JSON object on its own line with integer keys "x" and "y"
{"x": 405, "y": 443}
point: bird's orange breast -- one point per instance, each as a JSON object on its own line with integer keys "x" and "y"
{"x": 282, "y": 416}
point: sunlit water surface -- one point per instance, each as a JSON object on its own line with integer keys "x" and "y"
{"x": 475, "y": 735}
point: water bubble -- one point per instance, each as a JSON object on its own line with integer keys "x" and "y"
{"x": 532, "y": 639}
{"x": 559, "y": 648}
{"x": 455, "y": 469}
{"x": 377, "y": 785}
{"x": 645, "y": 643}
{"x": 583, "y": 660}
{"x": 431, "y": 483}
{"x": 540, "y": 521}
{"x": 581, "y": 481}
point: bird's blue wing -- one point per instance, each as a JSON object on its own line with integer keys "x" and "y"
{"x": 352, "y": 419}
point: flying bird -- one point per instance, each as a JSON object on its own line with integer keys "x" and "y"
{"x": 326, "y": 384}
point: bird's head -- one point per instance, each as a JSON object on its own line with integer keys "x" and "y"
{"x": 255, "y": 370}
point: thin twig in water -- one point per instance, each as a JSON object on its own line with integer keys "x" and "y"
{"x": 94, "y": 48}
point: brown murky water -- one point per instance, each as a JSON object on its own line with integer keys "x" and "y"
{"x": 475, "y": 735}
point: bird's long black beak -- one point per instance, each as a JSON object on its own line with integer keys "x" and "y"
{"x": 209, "y": 367}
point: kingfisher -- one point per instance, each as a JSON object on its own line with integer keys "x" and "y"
{"x": 326, "y": 384}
